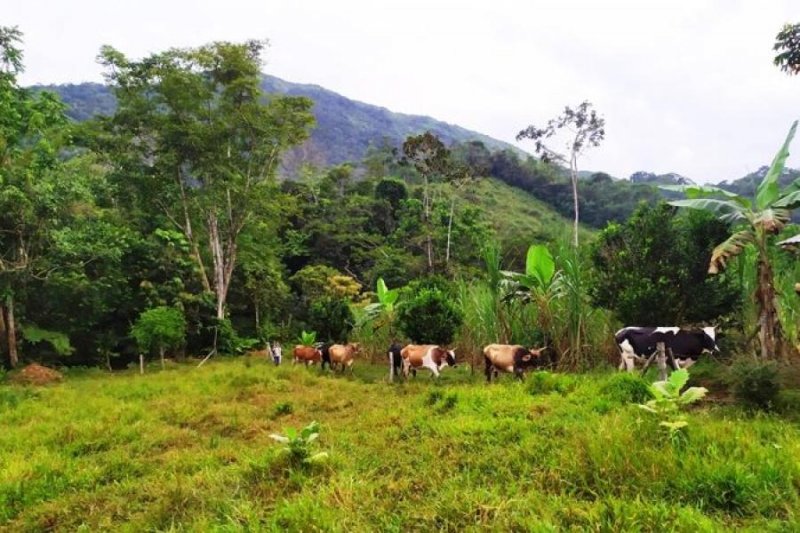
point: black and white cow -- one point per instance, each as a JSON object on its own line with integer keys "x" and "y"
{"x": 685, "y": 345}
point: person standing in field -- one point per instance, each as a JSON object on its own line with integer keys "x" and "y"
{"x": 276, "y": 352}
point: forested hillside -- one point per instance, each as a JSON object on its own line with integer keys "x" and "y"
{"x": 364, "y": 135}
{"x": 345, "y": 129}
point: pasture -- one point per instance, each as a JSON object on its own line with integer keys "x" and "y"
{"x": 188, "y": 449}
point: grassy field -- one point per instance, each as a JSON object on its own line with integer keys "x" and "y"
{"x": 189, "y": 449}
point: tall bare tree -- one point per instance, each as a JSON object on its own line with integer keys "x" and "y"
{"x": 585, "y": 128}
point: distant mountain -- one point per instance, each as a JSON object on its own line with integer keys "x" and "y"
{"x": 747, "y": 185}
{"x": 344, "y": 132}
{"x": 650, "y": 178}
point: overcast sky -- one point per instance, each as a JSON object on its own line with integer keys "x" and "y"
{"x": 685, "y": 86}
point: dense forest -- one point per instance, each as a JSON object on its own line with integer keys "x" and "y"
{"x": 164, "y": 190}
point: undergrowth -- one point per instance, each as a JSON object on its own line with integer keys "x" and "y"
{"x": 189, "y": 449}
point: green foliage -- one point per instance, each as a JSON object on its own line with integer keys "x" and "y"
{"x": 668, "y": 400}
{"x": 332, "y": 319}
{"x": 282, "y": 408}
{"x": 300, "y": 445}
{"x": 787, "y": 44}
{"x": 160, "y": 328}
{"x": 547, "y": 382}
{"x": 307, "y": 338}
{"x": 626, "y": 388}
{"x": 755, "y": 384}
{"x": 57, "y": 340}
{"x": 229, "y": 341}
{"x": 652, "y": 269}
{"x": 430, "y": 316}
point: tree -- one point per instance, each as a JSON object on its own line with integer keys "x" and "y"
{"x": 787, "y": 44}
{"x": 161, "y": 329}
{"x": 755, "y": 222}
{"x": 430, "y": 317}
{"x": 331, "y": 318}
{"x": 651, "y": 270}
{"x": 32, "y": 131}
{"x": 586, "y": 129}
{"x": 196, "y": 137}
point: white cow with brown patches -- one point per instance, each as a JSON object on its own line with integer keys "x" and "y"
{"x": 430, "y": 356}
{"x": 512, "y": 358}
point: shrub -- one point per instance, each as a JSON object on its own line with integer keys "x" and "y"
{"x": 547, "y": 382}
{"x": 626, "y": 388}
{"x": 229, "y": 341}
{"x": 331, "y": 318}
{"x": 282, "y": 409}
{"x": 299, "y": 445}
{"x": 755, "y": 383}
{"x": 160, "y": 328}
{"x": 430, "y": 317}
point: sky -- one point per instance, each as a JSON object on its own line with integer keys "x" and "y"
{"x": 685, "y": 86}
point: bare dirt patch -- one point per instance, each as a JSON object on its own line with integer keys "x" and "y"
{"x": 36, "y": 374}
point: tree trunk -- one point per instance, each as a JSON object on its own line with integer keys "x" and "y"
{"x": 574, "y": 171}
{"x": 220, "y": 283}
{"x": 450, "y": 229}
{"x": 770, "y": 334}
{"x": 11, "y": 332}
{"x": 426, "y": 211}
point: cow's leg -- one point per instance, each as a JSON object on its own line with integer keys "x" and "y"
{"x": 489, "y": 368}
{"x": 673, "y": 362}
{"x": 406, "y": 368}
{"x": 519, "y": 374}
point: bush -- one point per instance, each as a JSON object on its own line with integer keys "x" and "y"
{"x": 282, "y": 409}
{"x": 547, "y": 382}
{"x": 429, "y": 317}
{"x": 229, "y": 341}
{"x": 755, "y": 384}
{"x": 160, "y": 329}
{"x": 331, "y": 318}
{"x": 626, "y": 388}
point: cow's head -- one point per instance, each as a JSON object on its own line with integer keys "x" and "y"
{"x": 710, "y": 340}
{"x": 450, "y": 357}
{"x": 528, "y": 358}
{"x": 356, "y": 347}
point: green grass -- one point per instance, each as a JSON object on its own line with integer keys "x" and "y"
{"x": 189, "y": 449}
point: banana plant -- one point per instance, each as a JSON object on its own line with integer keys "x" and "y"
{"x": 540, "y": 278}
{"x": 299, "y": 445}
{"x": 754, "y": 222}
{"x": 382, "y": 311}
{"x": 668, "y": 400}
{"x": 308, "y": 338}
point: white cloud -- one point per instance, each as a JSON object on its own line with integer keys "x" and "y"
{"x": 685, "y": 86}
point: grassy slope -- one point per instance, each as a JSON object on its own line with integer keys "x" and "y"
{"x": 188, "y": 449}
{"x": 518, "y": 218}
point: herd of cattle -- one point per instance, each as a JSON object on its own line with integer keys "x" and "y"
{"x": 636, "y": 344}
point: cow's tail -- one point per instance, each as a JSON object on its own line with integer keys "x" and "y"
{"x": 488, "y": 369}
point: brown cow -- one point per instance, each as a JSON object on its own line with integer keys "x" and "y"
{"x": 343, "y": 354}
{"x": 429, "y": 356}
{"x": 510, "y": 358}
{"x": 306, "y": 354}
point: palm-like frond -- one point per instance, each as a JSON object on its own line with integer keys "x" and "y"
{"x": 768, "y": 190}
{"x": 731, "y": 247}
{"x": 730, "y": 210}
{"x": 788, "y": 201}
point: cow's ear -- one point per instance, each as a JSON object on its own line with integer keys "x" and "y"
{"x": 526, "y": 357}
